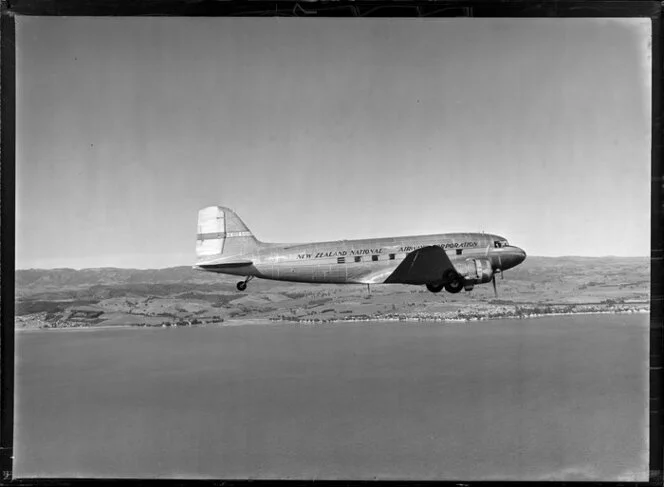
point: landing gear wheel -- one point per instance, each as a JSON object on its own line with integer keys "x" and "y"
{"x": 242, "y": 285}
{"x": 435, "y": 288}
{"x": 454, "y": 287}
{"x": 450, "y": 275}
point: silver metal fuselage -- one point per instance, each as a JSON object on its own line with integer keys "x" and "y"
{"x": 365, "y": 261}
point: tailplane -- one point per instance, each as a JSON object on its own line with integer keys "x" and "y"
{"x": 221, "y": 233}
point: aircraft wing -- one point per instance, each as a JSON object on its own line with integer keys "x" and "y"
{"x": 376, "y": 277}
{"x": 426, "y": 265}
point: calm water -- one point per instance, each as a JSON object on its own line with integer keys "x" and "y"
{"x": 548, "y": 398}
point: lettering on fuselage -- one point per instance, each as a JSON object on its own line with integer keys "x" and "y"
{"x": 344, "y": 253}
{"x": 454, "y": 245}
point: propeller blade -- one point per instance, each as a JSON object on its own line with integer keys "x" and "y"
{"x": 493, "y": 280}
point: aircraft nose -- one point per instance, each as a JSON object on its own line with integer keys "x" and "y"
{"x": 519, "y": 255}
{"x": 509, "y": 257}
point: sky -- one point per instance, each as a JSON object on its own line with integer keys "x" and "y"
{"x": 322, "y": 129}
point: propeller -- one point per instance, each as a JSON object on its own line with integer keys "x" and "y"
{"x": 498, "y": 268}
{"x": 493, "y": 278}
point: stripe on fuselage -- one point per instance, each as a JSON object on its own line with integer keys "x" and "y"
{"x": 210, "y": 236}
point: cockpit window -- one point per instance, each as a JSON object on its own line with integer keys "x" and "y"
{"x": 500, "y": 244}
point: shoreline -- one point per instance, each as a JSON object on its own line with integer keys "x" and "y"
{"x": 408, "y": 319}
{"x": 460, "y": 320}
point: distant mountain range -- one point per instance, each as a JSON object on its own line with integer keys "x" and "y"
{"x": 106, "y": 276}
{"x": 535, "y": 268}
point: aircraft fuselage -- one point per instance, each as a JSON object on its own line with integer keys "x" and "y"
{"x": 453, "y": 261}
{"x": 366, "y": 261}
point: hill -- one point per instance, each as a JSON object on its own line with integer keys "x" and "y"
{"x": 181, "y": 295}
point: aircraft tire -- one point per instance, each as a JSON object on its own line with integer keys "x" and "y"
{"x": 241, "y": 286}
{"x": 454, "y": 287}
{"x": 435, "y": 288}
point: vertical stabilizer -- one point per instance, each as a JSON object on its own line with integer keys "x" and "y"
{"x": 221, "y": 233}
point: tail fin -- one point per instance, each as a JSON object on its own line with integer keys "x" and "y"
{"x": 221, "y": 233}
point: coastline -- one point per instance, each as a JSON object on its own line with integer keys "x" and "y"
{"x": 448, "y": 319}
{"x": 423, "y": 317}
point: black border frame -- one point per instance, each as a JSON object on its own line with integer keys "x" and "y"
{"x": 324, "y": 8}
{"x": 7, "y": 214}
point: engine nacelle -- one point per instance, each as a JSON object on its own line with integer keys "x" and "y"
{"x": 475, "y": 271}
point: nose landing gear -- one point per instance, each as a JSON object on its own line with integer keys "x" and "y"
{"x": 242, "y": 285}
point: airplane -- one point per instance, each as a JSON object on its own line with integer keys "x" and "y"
{"x": 450, "y": 261}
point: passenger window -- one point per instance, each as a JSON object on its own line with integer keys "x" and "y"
{"x": 458, "y": 251}
{"x": 374, "y": 258}
{"x": 358, "y": 258}
{"x": 391, "y": 256}
{"x": 341, "y": 260}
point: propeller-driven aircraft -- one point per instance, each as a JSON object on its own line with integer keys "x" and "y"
{"x": 450, "y": 261}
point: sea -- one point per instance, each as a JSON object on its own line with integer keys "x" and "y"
{"x": 549, "y": 398}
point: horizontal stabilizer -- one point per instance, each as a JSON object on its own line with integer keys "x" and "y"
{"x": 212, "y": 265}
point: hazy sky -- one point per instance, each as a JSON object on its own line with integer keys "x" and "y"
{"x": 322, "y": 129}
